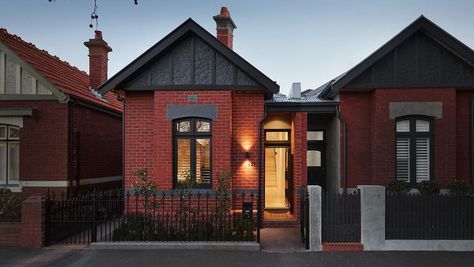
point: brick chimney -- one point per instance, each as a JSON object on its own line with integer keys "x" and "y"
{"x": 225, "y": 27}
{"x": 98, "y": 60}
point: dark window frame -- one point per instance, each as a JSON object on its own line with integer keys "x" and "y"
{"x": 192, "y": 136}
{"x": 412, "y": 134}
{"x": 7, "y": 140}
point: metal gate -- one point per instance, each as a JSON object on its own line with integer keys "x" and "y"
{"x": 341, "y": 217}
{"x": 304, "y": 218}
{"x": 80, "y": 219}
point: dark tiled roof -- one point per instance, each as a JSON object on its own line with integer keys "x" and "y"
{"x": 65, "y": 77}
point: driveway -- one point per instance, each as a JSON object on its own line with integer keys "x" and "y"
{"x": 135, "y": 258}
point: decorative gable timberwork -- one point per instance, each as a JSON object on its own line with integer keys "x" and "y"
{"x": 19, "y": 81}
{"x": 420, "y": 61}
{"x": 190, "y": 58}
{"x": 191, "y": 63}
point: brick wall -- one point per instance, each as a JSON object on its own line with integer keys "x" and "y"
{"x": 100, "y": 142}
{"x": 463, "y": 132}
{"x": 371, "y": 133}
{"x": 10, "y": 233}
{"x": 43, "y": 142}
{"x": 247, "y": 111}
{"x": 148, "y": 133}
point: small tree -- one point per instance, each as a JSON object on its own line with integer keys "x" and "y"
{"x": 143, "y": 187}
{"x": 223, "y": 186}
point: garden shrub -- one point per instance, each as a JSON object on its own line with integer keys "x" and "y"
{"x": 428, "y": 188}
{"x": 10, "y": 205}
{"x": 398, "y": 186}
{"x": 459, "y": 188}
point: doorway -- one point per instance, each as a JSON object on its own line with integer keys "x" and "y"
{"x": 278, "y": 172}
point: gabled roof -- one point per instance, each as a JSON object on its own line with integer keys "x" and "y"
{"x": 189, "y": 26}
{"x": 421, "y": 24}
{"x": 63, "y": 76}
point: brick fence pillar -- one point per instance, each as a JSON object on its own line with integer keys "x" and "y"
{"x": 33, "y": 221}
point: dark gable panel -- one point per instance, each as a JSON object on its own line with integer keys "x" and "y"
{"x": 182, "y": 57}
{"x": 203, "y": 62}
{"x": 420, "y": 61}
{"x": 191, "y": 63}
{"x": 224, "y": 71}
{"x": 161, "y": 70}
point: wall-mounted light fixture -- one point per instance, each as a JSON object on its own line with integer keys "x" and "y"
{"x": 247, "y": 155}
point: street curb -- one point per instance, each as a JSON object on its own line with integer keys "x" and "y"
{"x": 234, "y": 246}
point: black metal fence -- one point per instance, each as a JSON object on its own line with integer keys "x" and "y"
{"x": 304, "y": 218}
{"x": 429, "y": 217}
{"x": 164, "y": 216}
{"x": 341, "y": 217}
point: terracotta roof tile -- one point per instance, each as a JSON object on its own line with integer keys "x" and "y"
{"x": 65, "y": 77}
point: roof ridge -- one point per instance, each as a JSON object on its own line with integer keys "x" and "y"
{"x": 43, "y": 51}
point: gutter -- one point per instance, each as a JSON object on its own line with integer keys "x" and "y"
{"x": 259, "y": 199}
{"x": 344, "y": 150}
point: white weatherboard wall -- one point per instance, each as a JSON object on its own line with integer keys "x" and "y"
{"x": 372, "y": 207}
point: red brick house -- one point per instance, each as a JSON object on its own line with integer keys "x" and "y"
{"x": 55, "y": 132}
{"x": 193, "y": 105}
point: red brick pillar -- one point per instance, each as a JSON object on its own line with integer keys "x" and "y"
{"x": 33, "y": 221}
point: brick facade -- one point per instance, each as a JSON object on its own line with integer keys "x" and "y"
{"x": 371, "y": 133}
{"x": 100, "y": 142}
{"x": 45, "y": 143}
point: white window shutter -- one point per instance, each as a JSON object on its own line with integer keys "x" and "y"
{"x": 422, "y": 159}
{"x": 403, "y": 159}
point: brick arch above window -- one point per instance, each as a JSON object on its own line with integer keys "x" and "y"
{"x": 175, "y": 112}
{"x": 429, "y": 109}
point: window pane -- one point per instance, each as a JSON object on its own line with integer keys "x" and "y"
{"x": 183, "y": 159}
{"x": 276, "y": 136}
{"x": 422, "y": 126}
{"x": 403, "y": 126}
{"x": 3, "y": 131}
{"x": 403, "y": 159}
{"x": 313, "y": 158}
{"x": 14, "y": 132}
{"x": 3, "y": 162}
{"x": 422, "y": 159}
{"x": 203, "y": 126}
{"x": 315, "y": 136}
{"x": 14, "y": 162}
{"x": 183, "y": 126}
{"x": 203, "y": 160}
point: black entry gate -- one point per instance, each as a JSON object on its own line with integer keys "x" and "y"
{"x": 341, "y": 217}
{"x": 80, "y": 219}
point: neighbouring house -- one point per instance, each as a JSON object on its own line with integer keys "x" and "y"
{"x": 194, "y": 107}
{"x": 56, "y": 132}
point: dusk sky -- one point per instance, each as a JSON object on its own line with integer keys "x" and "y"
{"x": 306, "y": 41}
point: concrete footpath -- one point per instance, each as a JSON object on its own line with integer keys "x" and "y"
{"x": 135, "y": 258}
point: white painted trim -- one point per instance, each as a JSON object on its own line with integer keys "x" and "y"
{"x": 44, "y": 183}
{"x": 2, "y": 72}
{"x": 33, "y": 85}
{"x": 18, "y": 78}
{"x": 17, "y": 121}
{"x": 13, "y": 188}
{"x": 98, "y": 180}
